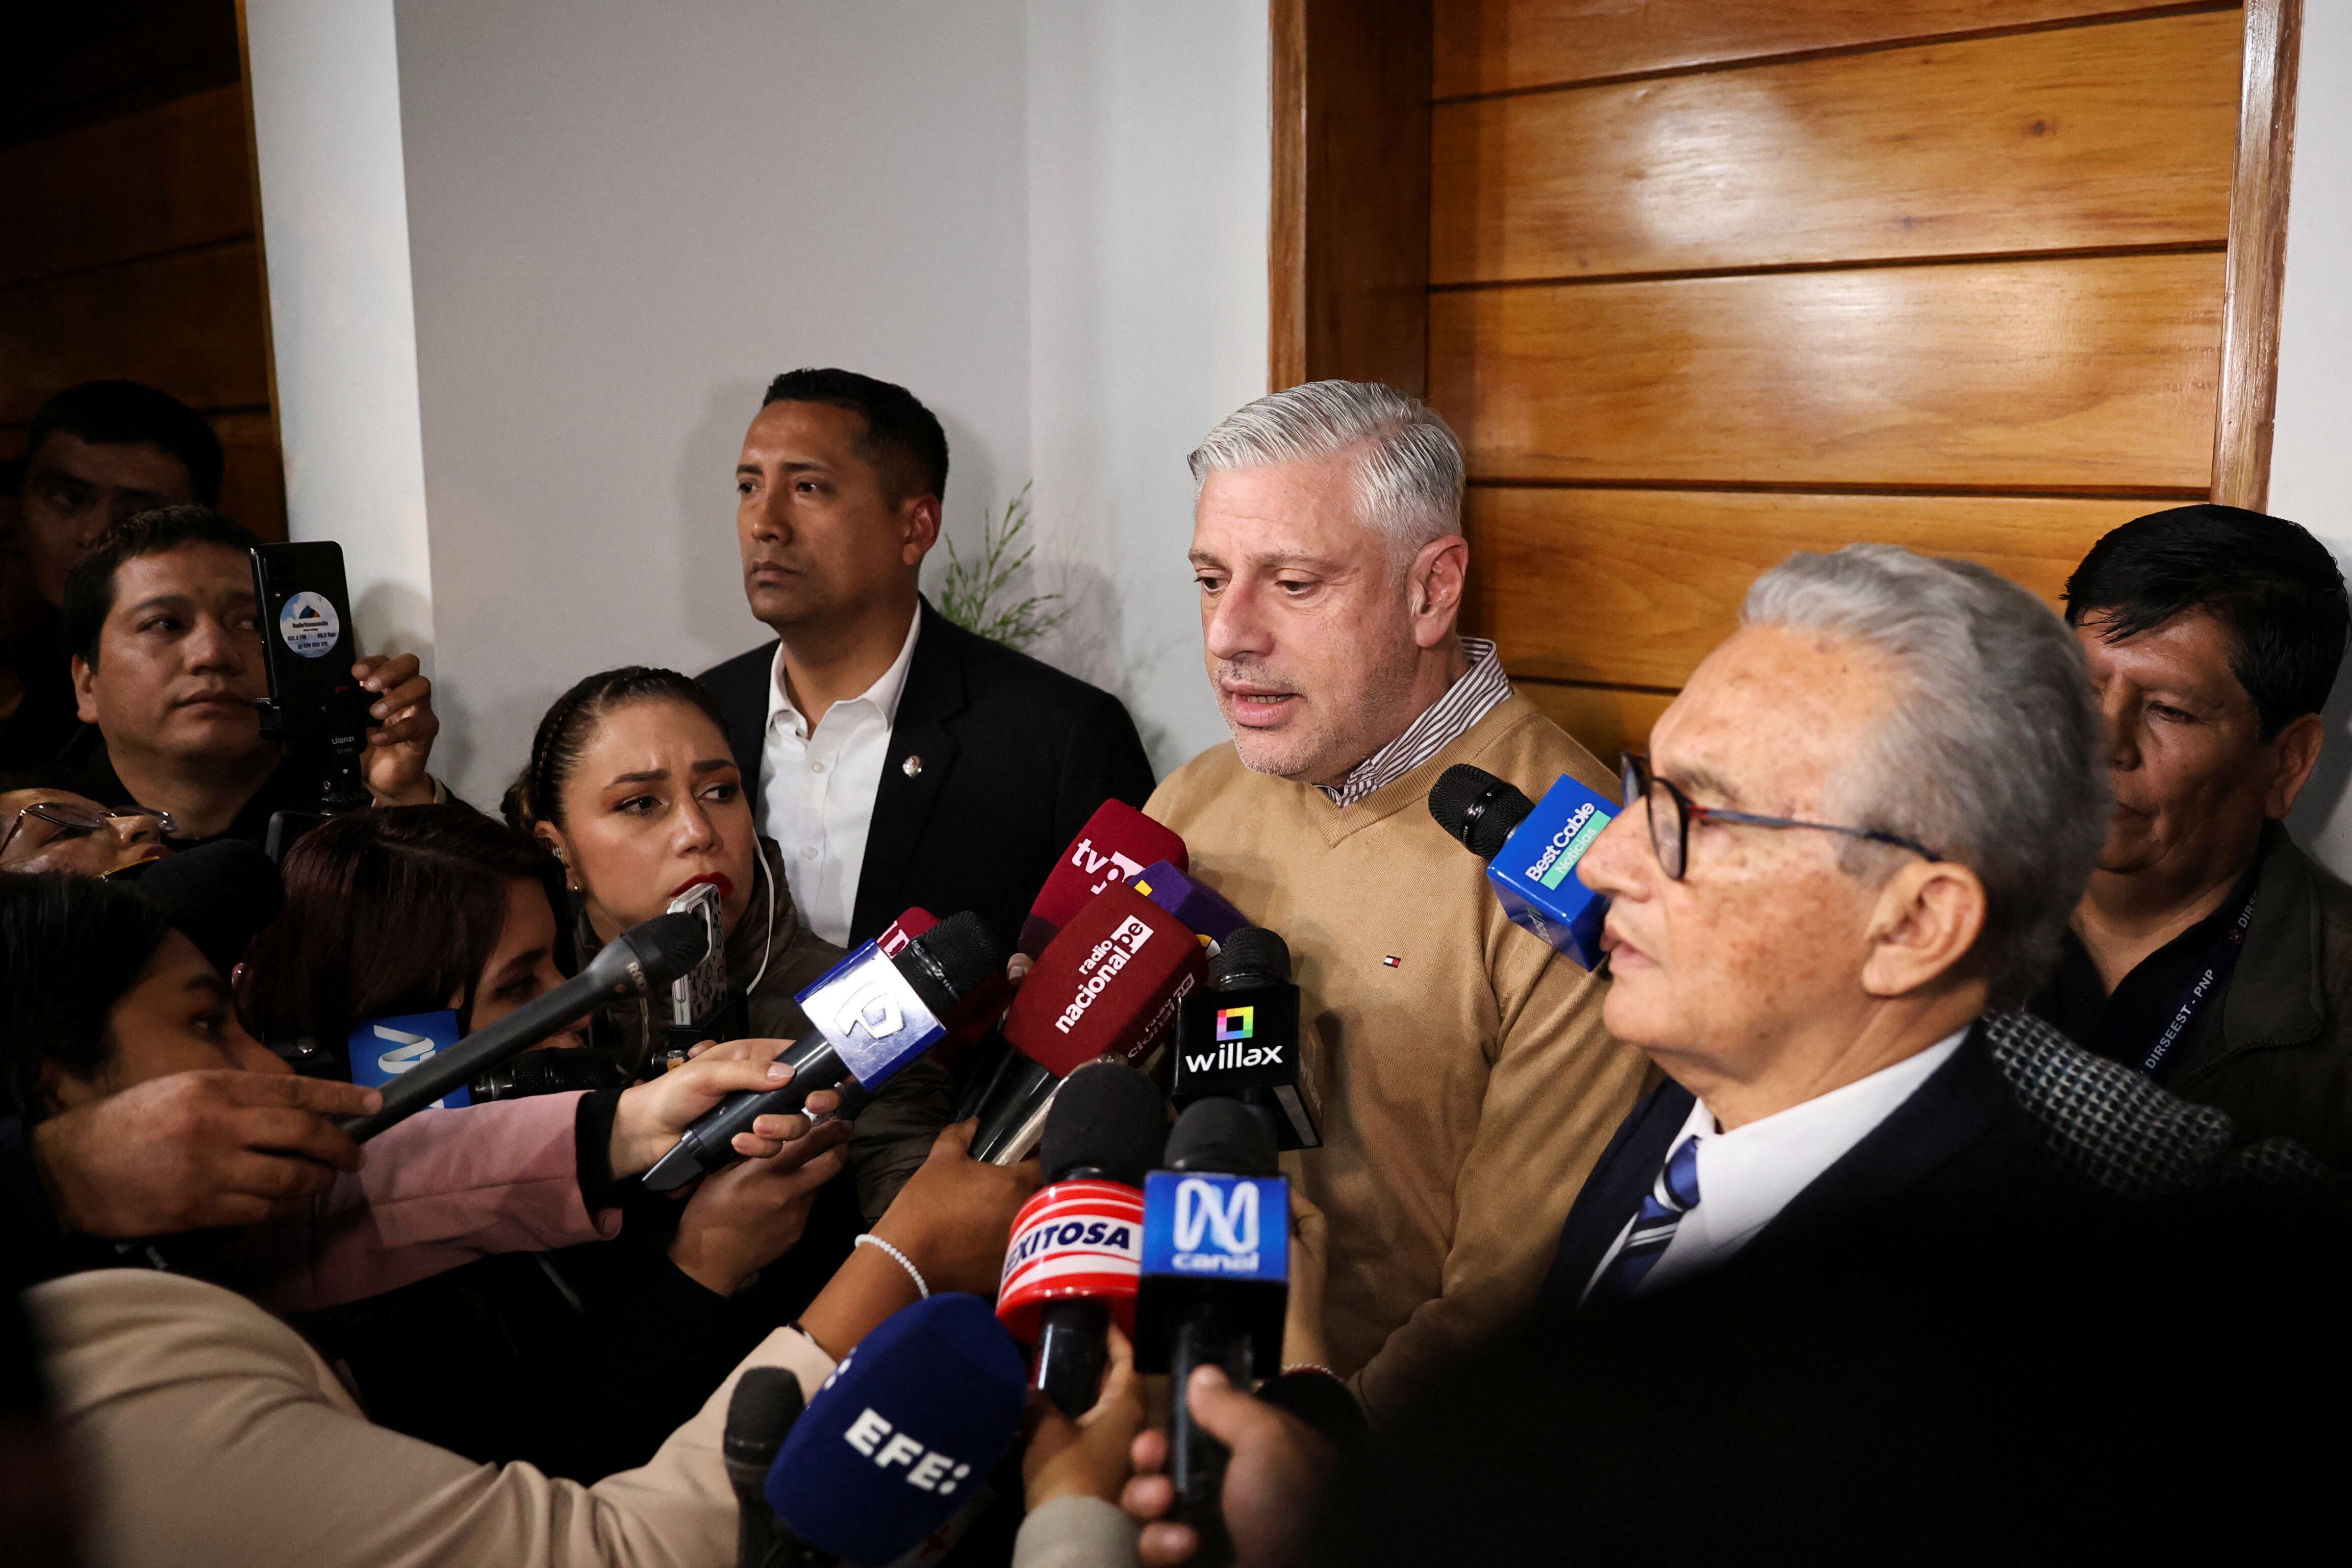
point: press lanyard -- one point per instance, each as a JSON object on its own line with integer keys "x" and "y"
{"x": 2225, "y": 958}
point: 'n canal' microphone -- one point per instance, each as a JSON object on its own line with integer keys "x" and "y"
{"x": 1531, "y": 849}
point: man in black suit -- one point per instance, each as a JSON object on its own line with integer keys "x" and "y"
{"x": 896, "y": 757}
{"x": 1864, "y": 824}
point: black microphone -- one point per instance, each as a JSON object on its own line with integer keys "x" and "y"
{"x": 1076, "y": 1247}
{"x": 874, "y": 1013}
{"x": 1239, "y": 1039}
{"x": 760, "y": 1415}
{"x": 1216, "y": 1280}
{"x": 645, "y": 957}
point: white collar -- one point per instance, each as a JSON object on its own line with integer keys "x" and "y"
{"x": 882, "y": 696}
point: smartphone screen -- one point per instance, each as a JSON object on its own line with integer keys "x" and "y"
{"x": 306, "y": 644}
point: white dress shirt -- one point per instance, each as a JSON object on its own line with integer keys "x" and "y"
{"x": 1747, "y": 1175}
{"x": 817, "y": 789}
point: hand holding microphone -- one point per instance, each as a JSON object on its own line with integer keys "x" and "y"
{"x": 1267, "y": 1496}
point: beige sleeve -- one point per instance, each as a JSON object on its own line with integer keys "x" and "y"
{"x": 227, "y": 1448}
{"x": 1559, "y": 1087}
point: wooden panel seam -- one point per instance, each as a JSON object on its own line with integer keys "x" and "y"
{"x": 2246, "y": 402}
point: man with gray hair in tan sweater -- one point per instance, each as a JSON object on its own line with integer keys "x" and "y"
{"x": 1463, "y": 1080}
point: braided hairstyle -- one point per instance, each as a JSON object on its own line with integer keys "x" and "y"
{"x": 537, "y": 794}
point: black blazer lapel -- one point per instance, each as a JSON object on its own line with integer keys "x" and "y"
{"x": 740, "y": 686}
{"x": 903, "y": 802}
{"x": 1636, "y": 1152}
{"x": 1961, "y": 1105}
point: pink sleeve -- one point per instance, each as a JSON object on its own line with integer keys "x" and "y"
{"x": 440, "y": 1189}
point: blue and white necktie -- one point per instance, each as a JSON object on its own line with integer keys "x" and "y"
{"x": 1673, "y": 1194}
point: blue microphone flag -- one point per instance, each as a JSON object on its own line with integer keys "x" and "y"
{"x": 381, "y": 1049}
{"x": 908, "y": 1425}
{"x": 870, "y": 1016}
{"x": 1534, "y": 873}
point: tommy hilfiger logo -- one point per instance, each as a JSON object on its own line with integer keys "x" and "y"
{"x": 1391, "y": 961}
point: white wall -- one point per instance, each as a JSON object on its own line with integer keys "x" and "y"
{"x": 2311, "y": 460}
{"x": 327, "y": 135}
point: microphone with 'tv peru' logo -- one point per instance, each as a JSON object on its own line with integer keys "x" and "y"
{"x": 1076, "y": 1248}
{"x": 1109, "y": 984}
{"x": 1215, "y": 1281}
{"x": 1116, "y": 845}
{"x": 902, "y": 1434}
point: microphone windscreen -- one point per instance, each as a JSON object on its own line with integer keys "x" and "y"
{"x": 1251, "y": 956}
{"x": 767, "y": 1401}
{"x": 669, "y": 945}
{"x": 960, "y": 954}
{"x": 1477, "y": 809}
{"x": 1223, "y": 1136}
{"x": 1109, "y": 984}
{"x": 1201, "y": 907}
{"x": 1109, "y": 1118}
{"x": 908, "y": 1425}
{"x": 1116, "y": 843}
{"x": 217, "y": 895}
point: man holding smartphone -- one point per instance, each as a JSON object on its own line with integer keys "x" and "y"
{"x": 167, "y": 666}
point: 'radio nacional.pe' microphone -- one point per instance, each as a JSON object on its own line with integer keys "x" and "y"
{"x": 643, "y": 958}
{"x": 1116, "y": 843}
{"x": 1531, "y": 851}
{"x": 1109, "y": 984}
{"x": 873, "y": 1013}
{"x": 1239, "y": 1037}
{"x": 1217, "y": 1278}
{"x": 1077, "y": 1244}
{"x": 905, "y": 1429}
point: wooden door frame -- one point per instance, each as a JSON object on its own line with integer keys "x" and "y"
{"x": 1347, "y": 252}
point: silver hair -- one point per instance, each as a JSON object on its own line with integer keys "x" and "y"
{"x": 1408, "y": 464}
{"x": 1994, "y": 752}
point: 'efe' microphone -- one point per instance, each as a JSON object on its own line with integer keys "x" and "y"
{"x": 1076, "y": 1248}
{"x": 873, "y": 1013}
{"x": 1216, "y": 1278}
{"x": 903, "y": 1432}
{"x": 1239, "y": 1037}
{"x": 1116, "y": 843}
{"x": 1531, "y": 849}
{"x": 1109, "y": 984}
{"x": 767, "y": 1401}
{"x": 641, "y": 959}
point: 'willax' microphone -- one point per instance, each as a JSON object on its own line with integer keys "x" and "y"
{"x": 767, "y": 1401}
{"x": 1109, "y": 984}
{"x": 873, "y": 1013}
{"x": 903, "y": 1432}
{"x": 1116, "y": 843}
{"x": 1077, "y": 1244}
{"x": 1531, "y": 849}
{"x": 641, "y": 959}
{"x": 1239, "y": 1037}
{"x": 1217, "y": 1278}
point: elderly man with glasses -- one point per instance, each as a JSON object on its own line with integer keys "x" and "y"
{"x": 48, "y": 826}
{"x": 1858, "y": 835}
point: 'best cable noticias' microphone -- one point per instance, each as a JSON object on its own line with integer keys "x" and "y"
{"x": 1239, "y": 1037}
{"x": 1216, "y": 1278}
{"x": 903, "y": 1431}
{"x": 873, "y": 1015}
{"x": 1116, "y": 843}
{"x": 641, "y": 959}
{"x": 1109, "y": 984}
{"x": 1077, "y": 1244}
{"x": 761, "y": 1413}
{"x": 1531, "y": 849}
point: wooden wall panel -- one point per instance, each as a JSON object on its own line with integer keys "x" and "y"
{"x": 1496, "y": 45}
{"x": 253, "y": 479}
{"x": 189, "y": 322}
{"x": 164, "y": 179}
{"x": 1605, "y": 720}
{"x": 2080, "y": 138}
{"x": 1635, "y": 587}
{"x": 2088, "y": 374}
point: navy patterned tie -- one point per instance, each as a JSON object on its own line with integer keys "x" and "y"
{"x": 1673, "y": 1194}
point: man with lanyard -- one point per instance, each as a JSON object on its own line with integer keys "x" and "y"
{"x": 2209, "y": 952}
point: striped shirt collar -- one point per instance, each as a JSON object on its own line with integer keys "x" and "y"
{"x": 1444, "y": 721}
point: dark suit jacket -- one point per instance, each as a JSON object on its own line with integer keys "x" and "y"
{"x": 1015, "y": 756}
{"x": 1959, "y": 1149}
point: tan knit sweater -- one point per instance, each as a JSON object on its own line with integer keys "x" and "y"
{"x": 1466, "y": 1087}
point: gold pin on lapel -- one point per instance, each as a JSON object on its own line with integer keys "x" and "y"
{"x": 912, "y": 767}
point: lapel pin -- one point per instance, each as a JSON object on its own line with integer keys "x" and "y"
{"x": 912, "y": 767}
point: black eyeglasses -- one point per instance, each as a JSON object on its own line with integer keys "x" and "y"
{"x": 1670, "y": 828}
{"x": 64, "y": 821}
